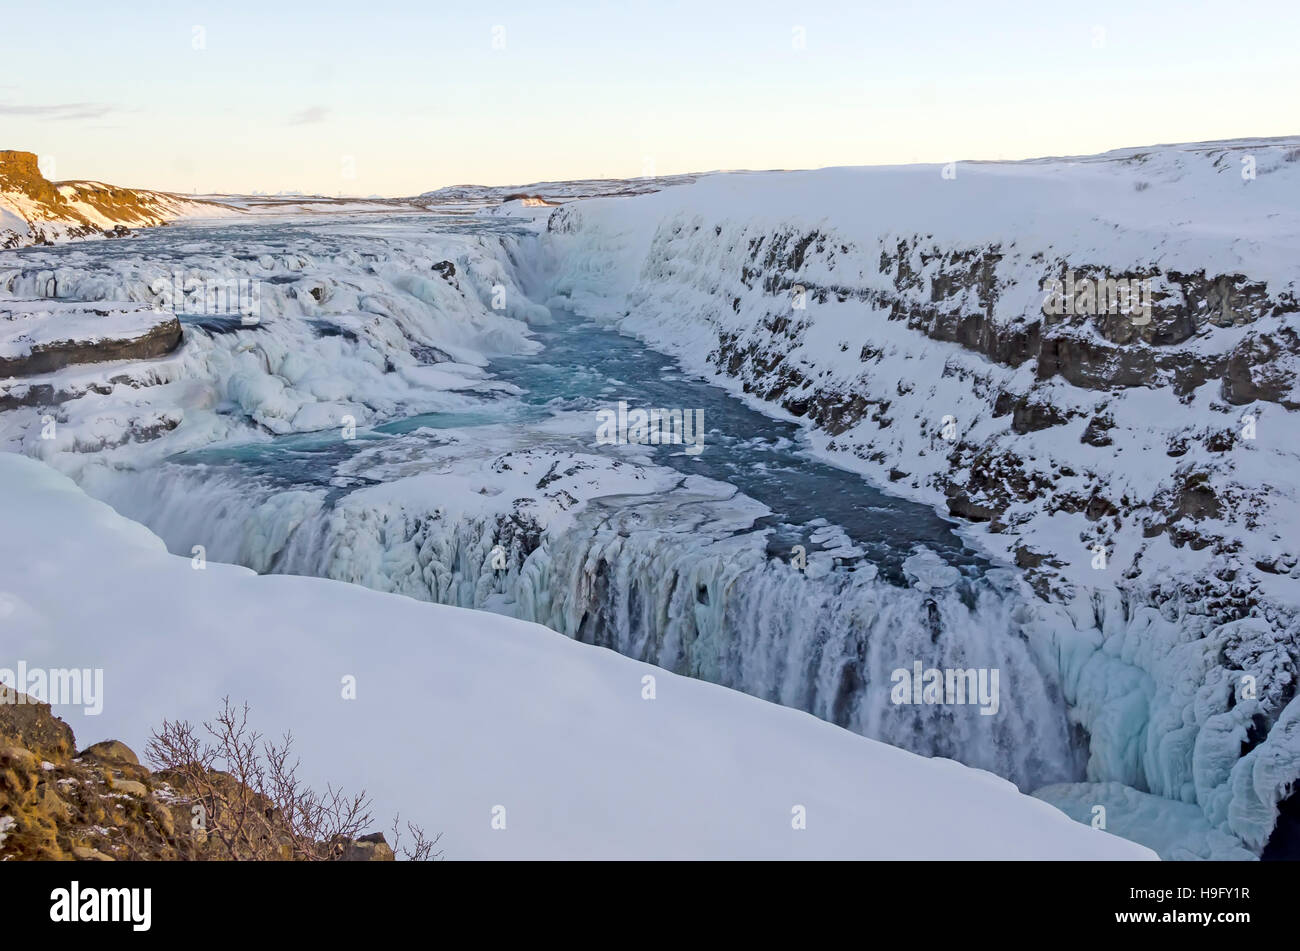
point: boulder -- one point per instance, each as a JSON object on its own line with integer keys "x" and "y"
{"x": 26, "y": 722}
{"x": 110, "y": 753}
{"x": 41, "y": 336}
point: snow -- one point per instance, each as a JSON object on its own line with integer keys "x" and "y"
{"x": 12, "y": 225}
{"x": 32, "y": 324}
{"x": 459, "y": 713}
{"x": 928, "y": 570}
{"x": 503, "y": 196}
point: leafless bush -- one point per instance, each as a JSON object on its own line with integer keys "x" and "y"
{"x": 253, "y": 805}
{"x": 421, "y": 848}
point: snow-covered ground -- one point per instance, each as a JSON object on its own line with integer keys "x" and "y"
{"x": 491, "y": 196}
{"x": 510, "y": 739}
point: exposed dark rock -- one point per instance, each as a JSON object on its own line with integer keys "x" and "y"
{"x": 162, "y": 339}
{"x": 1030, "y": 416}
{"x": 1096, "y": 433}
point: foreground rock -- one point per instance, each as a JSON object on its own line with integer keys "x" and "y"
{"x": 102, "y": 805}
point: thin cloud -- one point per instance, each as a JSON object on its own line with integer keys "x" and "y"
{"x": 309, "y": 116}
{"x": 69, "y": 110}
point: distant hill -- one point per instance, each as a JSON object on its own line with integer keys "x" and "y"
{"x": 34, "y": 210}
{"x": 552, "y": 192}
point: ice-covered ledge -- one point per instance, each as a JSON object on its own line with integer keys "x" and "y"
{"x": 461, "y": 716}
{"x": 41, "y": 336}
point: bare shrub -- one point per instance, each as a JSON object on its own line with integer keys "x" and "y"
{"x": 253, "y": 805}
{"x": 421, "y": 848}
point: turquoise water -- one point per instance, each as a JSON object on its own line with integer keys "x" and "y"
{"x": 584, "y": 368}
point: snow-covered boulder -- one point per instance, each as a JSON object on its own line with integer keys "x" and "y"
{"x": 41, "y": 336}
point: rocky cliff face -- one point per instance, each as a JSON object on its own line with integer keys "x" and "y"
{"x": 1222, "y": 339}
{"x": 1138, "y": 467}
{"x": 34, "y": 210}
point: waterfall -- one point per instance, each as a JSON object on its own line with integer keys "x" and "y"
{"x": 676, "y": 580}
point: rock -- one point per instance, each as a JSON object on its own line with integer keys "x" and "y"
{"x": 962, "y": 505}
{"x": 1097, "y": 431}
{"x": 1256, "y": 370}
{"x": 367, "y": 848}
{"x": 162, "y": 815}
{"x": 1220, "y": 440}
{"x": 1030, "y": 416}
{"x": 59, "y": 211}
{"x": 18, "y": 758}
{"x": 110, "y": 752}
{"x": 116, "y": 760}
{"x": 52, "y": 803}
{"x": 1030, "y": 559}
{"x": 26, "y": 722}
{"x": 86, "y": 854}
{"x": 41, "y": 336}
{"x": 1197, "y": 498}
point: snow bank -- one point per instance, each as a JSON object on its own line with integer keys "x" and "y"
{"x": 461, "y": 716}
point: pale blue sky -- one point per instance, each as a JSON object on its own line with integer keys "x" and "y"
{"x": 399, "y": 96}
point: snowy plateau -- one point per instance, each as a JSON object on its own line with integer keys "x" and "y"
{"x": 1097, "y": 511}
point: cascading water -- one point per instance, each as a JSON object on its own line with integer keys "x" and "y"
{"x": 691, "y": 571}
{"x": 668, "y": 580}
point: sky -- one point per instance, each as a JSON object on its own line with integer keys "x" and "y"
{"x": 398, "y": 97}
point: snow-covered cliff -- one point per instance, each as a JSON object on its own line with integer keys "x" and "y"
{"x": 1141, "y": 471}
{"x": 36, "y": 211}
